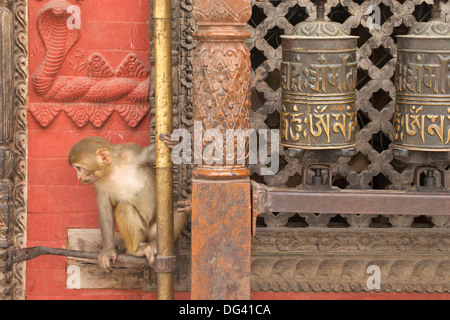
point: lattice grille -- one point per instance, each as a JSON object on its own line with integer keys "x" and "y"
{"x": 374, "y": 166}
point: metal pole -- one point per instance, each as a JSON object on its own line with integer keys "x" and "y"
{"x": 24, "y": 254}
{"x": 164, "y": 174}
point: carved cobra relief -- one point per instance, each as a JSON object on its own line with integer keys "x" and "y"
{"x": 86, "y": 99}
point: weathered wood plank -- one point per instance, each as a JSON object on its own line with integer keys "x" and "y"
{"x": 81, "y": 275}
{"x": 90, "y": 240}
{"x": 86, "y": 274}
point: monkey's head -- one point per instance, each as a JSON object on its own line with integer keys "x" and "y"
{"x": 91, "y": 158}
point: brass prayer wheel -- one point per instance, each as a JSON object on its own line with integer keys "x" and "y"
{"x": 421, "y": 118}
{"x": 319, "y": 71}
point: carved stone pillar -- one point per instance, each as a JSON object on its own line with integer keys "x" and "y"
{"x": 13, "y": 142}
{"x": 6, "y": 132}
{"x": 221, "y": 228}
{"x": 221, "y": 68}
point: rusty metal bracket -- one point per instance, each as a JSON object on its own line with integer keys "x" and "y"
{"x": 261, "y": 202}
{"x": 430, "y": 186}
{"x": 165, "y": 264}
{"x": 318, "y": 179}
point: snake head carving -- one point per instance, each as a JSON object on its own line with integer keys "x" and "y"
{"x": 55, "y": 14}
{"x": 58, "y": 39}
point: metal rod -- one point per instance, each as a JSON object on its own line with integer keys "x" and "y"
{"x": 436, "y": 13}
{"x": 24, "y": 254}
{"x": 320, "y": 7}
{"x": 163, "y": 119}
{"x": 315, "y": 200}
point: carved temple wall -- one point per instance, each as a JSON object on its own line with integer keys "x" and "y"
{"x": 94, "y": 77}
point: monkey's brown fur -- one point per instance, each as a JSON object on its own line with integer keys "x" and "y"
{"x": 124, "y": 181}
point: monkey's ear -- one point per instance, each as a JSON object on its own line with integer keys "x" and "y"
{"x": 103, "y": 156}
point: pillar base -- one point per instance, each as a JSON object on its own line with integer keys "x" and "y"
{"x": 221, "y": 247}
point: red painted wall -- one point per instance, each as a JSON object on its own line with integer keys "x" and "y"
{"x": 113, "y": 30}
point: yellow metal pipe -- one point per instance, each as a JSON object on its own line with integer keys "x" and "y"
{"x": 163, "y": 117}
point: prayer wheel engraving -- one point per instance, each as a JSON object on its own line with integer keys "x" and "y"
{"x": 319, "y": 71}
{"x": 421, "y": 118}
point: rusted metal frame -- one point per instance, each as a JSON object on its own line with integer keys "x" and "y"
{"x": 18, "y": 255}
{"x": 265, "y": 200}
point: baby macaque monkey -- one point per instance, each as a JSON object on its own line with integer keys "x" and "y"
{"x": 124, "y": 181}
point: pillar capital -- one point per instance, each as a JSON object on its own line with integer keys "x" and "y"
{"x": 220, "y": 20}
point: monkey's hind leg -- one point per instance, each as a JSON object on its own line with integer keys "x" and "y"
{"x": 131, "y": 227}
{"x": 151, "y": 250}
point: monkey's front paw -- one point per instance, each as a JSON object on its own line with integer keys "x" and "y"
{"x": 105, "y": 257}
{"x": 150, "y": 252}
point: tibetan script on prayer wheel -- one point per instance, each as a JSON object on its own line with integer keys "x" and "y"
{"x": 422, "y": 112}
{"x": 318, "y": 87}
{"x": 421, "y": 118}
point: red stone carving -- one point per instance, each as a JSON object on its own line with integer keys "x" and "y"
{"x": 93, "y": 95}
{"x": 69, "y": 91}
{"x": 99, "y": 67}
{"x": 44, "y": 114}
{"x": 58, "y": 40}
{"x": 84, "y": 114}
{"x": 133, "y": 115}
{"x": 75, "y": 62}
{"x": 132, "y": 67}
{"x": 84, "y": 89}
{"x": 140, "y": 93}
{"x": 110, "y": 90}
